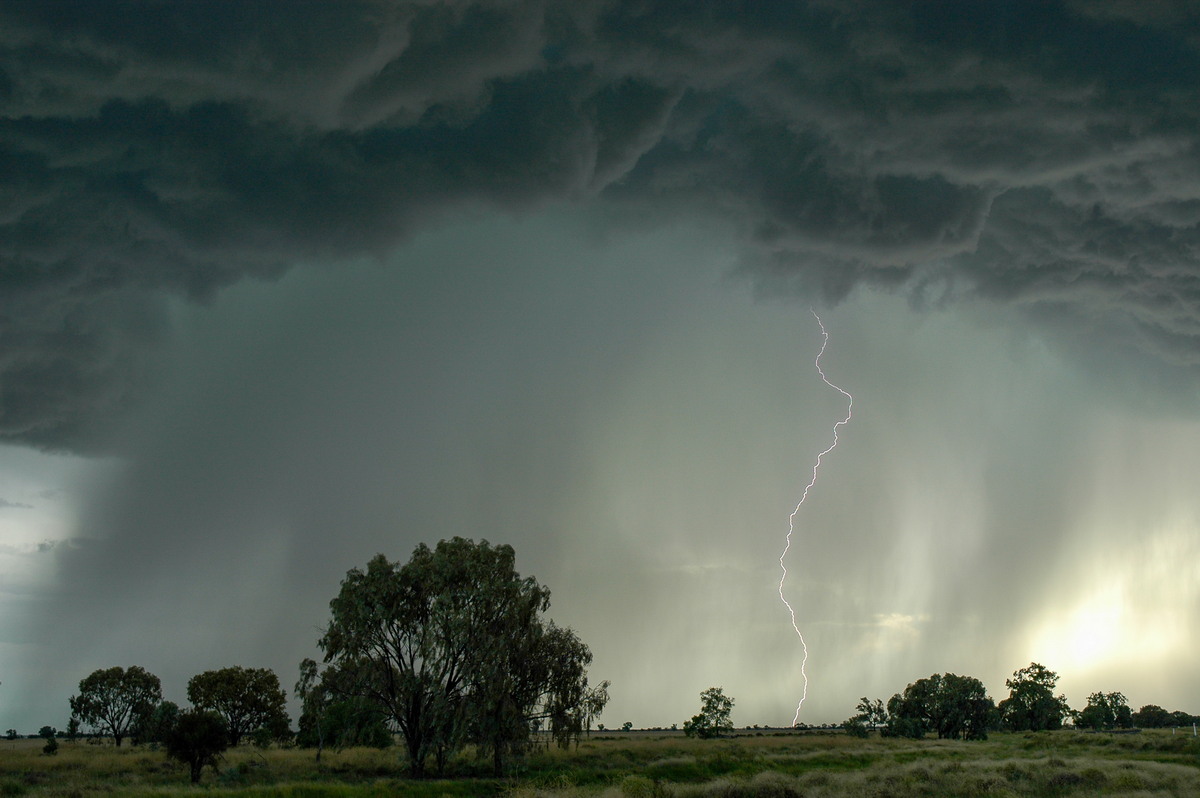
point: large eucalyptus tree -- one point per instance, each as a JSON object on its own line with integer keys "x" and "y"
{"x": 452, "y": 647}
{"x": 113, "y": 700}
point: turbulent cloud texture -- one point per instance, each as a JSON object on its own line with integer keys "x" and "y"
{"x": 1040, "y": 153}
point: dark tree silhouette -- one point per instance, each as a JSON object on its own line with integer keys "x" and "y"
{"x": 451, "y": 647}
{"x": 952, "y": 706}
{"x": 198, "y": 739}
{"x": 1031, "y": 704}
{"x": 115, "y": 699}
{"x": 248, "y": 699}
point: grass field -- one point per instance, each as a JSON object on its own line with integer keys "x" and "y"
{"x": 648, "y": 765}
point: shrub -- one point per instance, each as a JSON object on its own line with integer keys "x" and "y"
{"x": 198, "y": 739}
{"x": 640, "y": 787}
{"x": 855, "y": 727}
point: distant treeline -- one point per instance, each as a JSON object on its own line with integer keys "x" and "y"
{"x": 452, "y": 650}
{"x": 958, "y": 707}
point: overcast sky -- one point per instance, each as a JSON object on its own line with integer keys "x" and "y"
{"x": 286, "y": 285}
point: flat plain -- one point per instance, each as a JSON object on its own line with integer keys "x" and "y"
{"x": 762, "y": 764}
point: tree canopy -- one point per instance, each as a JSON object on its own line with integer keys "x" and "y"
{"x": 1152, "y": 716}
{"x": 247, "y": 698}
{"x": 114, "y": 700}
{"x": 1105, "y": 711}
{"x": 155, "y": 725}
{"x": 953, "y": 706}
{"x": 332, "y": 714}
{"x": 197, "y": 739}
{"x": 1031, "y": 704}
{"x": 714, "y": 716}
{"x": 452, "y": 647}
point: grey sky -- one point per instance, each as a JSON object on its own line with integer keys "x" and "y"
{"x": 281, "y": 287}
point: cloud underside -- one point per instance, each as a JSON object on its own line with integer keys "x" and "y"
{"x": 1030, "y": 153}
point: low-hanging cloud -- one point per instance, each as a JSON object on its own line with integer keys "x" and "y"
{"x": 1038, "y": 153}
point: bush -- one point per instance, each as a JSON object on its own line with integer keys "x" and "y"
{"x": 198, "y": 739}
{"x": 640, "y": 787}
{"x": 855, "y": 727}
{"x": 11, "y": 787}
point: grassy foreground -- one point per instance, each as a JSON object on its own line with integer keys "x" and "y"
{"x": 650, "y": 765}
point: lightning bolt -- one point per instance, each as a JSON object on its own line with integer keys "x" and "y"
{"x": 799, "y": 504}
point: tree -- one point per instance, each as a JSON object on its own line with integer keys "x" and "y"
{"x": 524, "y": 676}
{"x": 113, "y": 700}
{"x": 872, "y": 713}
{"x": 198, "y": 738}
{"x": 248, "y": 699}
{"x": 1031, "y": 704}
{"x": 855, "y": 727}
{"x": 72, "y": 728}
{"x": 451, "y": 648}
{"x": 48, "y": 733}
{"x": 528, "y": 675}
{"x": 334, "y": 716}
{"x": 714, "y": 717}
{"x": 314, "y": 703}
{"x": 953, "y": 706}
{"x": 1152, "y": 717}
{"x": 154, "y": 726}
{"x": 1181, "y": 718}
{"x": 1105, "y": 711}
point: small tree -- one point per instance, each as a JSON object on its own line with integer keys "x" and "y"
{"x": 1105, "y": 711}
{"x": 48, "y": 733}
{"x": 1152, "y": 716}
{"x": 314, "y": 701}
{"x": 115, "y": 699}
{"x": 155, "y": 725}
{"x": 248, "y": 699}
{"x": 855, "y": 727}
{"x": 1031, "y": 704}
{"x": 714, "y": 717}
{"x": 198, "y": 739}
{"x": 872, "y": 713}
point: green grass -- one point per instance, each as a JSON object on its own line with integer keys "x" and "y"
{"x": 648, "y": 766}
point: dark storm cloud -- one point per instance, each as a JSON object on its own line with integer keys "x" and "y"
{"x": 1030, "y": 152}
{"x": 5, "y": 504}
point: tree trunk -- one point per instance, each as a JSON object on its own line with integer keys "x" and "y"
{"x": 320, "y": 739}
{"x": 416, "y": 758}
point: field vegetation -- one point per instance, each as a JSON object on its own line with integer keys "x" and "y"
{"x": 646, "y": 765}
{"x": 442, "y": 677}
